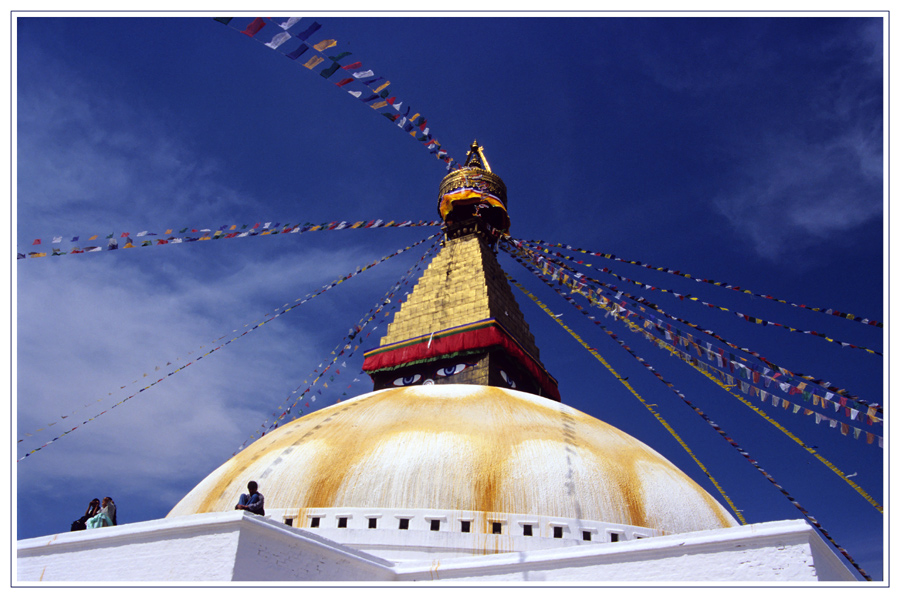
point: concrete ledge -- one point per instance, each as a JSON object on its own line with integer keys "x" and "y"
{"x": 229, "y": 546}
{"x": 236, "y": 546}
{"x": 774, "y": 551}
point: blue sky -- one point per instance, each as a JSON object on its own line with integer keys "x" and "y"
{"x": 740, "y": 150}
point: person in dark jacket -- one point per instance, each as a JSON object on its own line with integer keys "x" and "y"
{"x": 93, "y": 509}
{"x": 253, "y": 501}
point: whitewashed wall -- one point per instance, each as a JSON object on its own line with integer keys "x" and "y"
{"x": 235, "y": 546}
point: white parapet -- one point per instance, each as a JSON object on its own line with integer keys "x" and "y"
{"x": 236, "y": 546}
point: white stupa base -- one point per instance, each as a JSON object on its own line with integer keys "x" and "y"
{"x": 235, "y": 546}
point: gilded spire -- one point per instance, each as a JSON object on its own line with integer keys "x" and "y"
{"x": 475, "y": 158}
{"x": 461, "y": 324}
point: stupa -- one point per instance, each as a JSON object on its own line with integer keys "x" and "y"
{"x": 462, "y": 464}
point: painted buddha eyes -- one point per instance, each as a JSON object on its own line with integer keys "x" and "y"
{"x": 507, "y": 379}
{"x": 451, "y": 370}
{"x": 407, "y": 380}
{"x": 444, "y": 372}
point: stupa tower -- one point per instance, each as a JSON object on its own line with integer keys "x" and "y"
{"x": 461, "y": 464}
{"x": 461, "y": 324}
{"x": 464, "y": 425}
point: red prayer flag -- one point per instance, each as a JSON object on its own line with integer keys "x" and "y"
{"x": 353, "y": 66}
{"x": 343, "y": 82}
{"x": 254, "y": 27}
{"x": 37, "y": 242}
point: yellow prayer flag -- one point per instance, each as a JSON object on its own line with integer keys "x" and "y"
{"x": 325, "y": 44}
{"x": 315, "y": 60}
{"x": 385, "y": 85}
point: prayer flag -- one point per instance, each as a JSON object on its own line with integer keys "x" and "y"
{"x": 339, "y": 56}
{"x": 289, "y": 23}
{"x": 363, "y": 74}
{"x": 309, "y": 31}
{"x": 298, "y": 52}
{"x": 325, "y": 44}
{"x": 330, "y": 70}
{"x": 382, "y": 86}
{"x": 313, "y": 62}
{"x": 343, "y": 82}
{"x": 223, "y": 20}
{"x": 350, "y": 67}
{"x": 254, "y": 27}
{"x": 278, "y": 39}
{"x": 36, "y": 242}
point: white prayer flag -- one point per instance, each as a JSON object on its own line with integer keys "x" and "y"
{"x": 289, "y": 23}
{"x": 278, "y": 39}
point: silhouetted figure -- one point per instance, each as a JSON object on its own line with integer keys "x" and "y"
{"x": 93, "y": 509}
{"x": 253, "y": 502}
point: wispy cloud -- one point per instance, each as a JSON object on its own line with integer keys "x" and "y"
{"x": 821, "y": 173}
{"x": 86, "y": 159}
{"x": 797, "y": 193}
{"x": 91, "y": 324}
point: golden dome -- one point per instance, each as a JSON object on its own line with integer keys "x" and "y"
{"x": 462, "y": 447}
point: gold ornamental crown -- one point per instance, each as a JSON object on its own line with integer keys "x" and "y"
{"x": 474, "y": 174}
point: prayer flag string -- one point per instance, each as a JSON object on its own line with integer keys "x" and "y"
{"x": 356, "y": 79}
{"x": 611, "y": 309}
{"x": 338, "y": 352}
{"x": 287, "y": 307}
{"x": 780, "y": 488}
{"x": 854, "y": 407}
{"x": 624, "y": 382}
{"x": 746, "y": 387}
{"x": 724, "y": 285}
{"x": 742, "y": 316}
{"x": 579, "y": 278}
{"x": 226, "y": 231}
{"x": 782, "y": 378}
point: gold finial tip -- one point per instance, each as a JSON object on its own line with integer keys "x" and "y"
{"x": 475, "y": 157}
